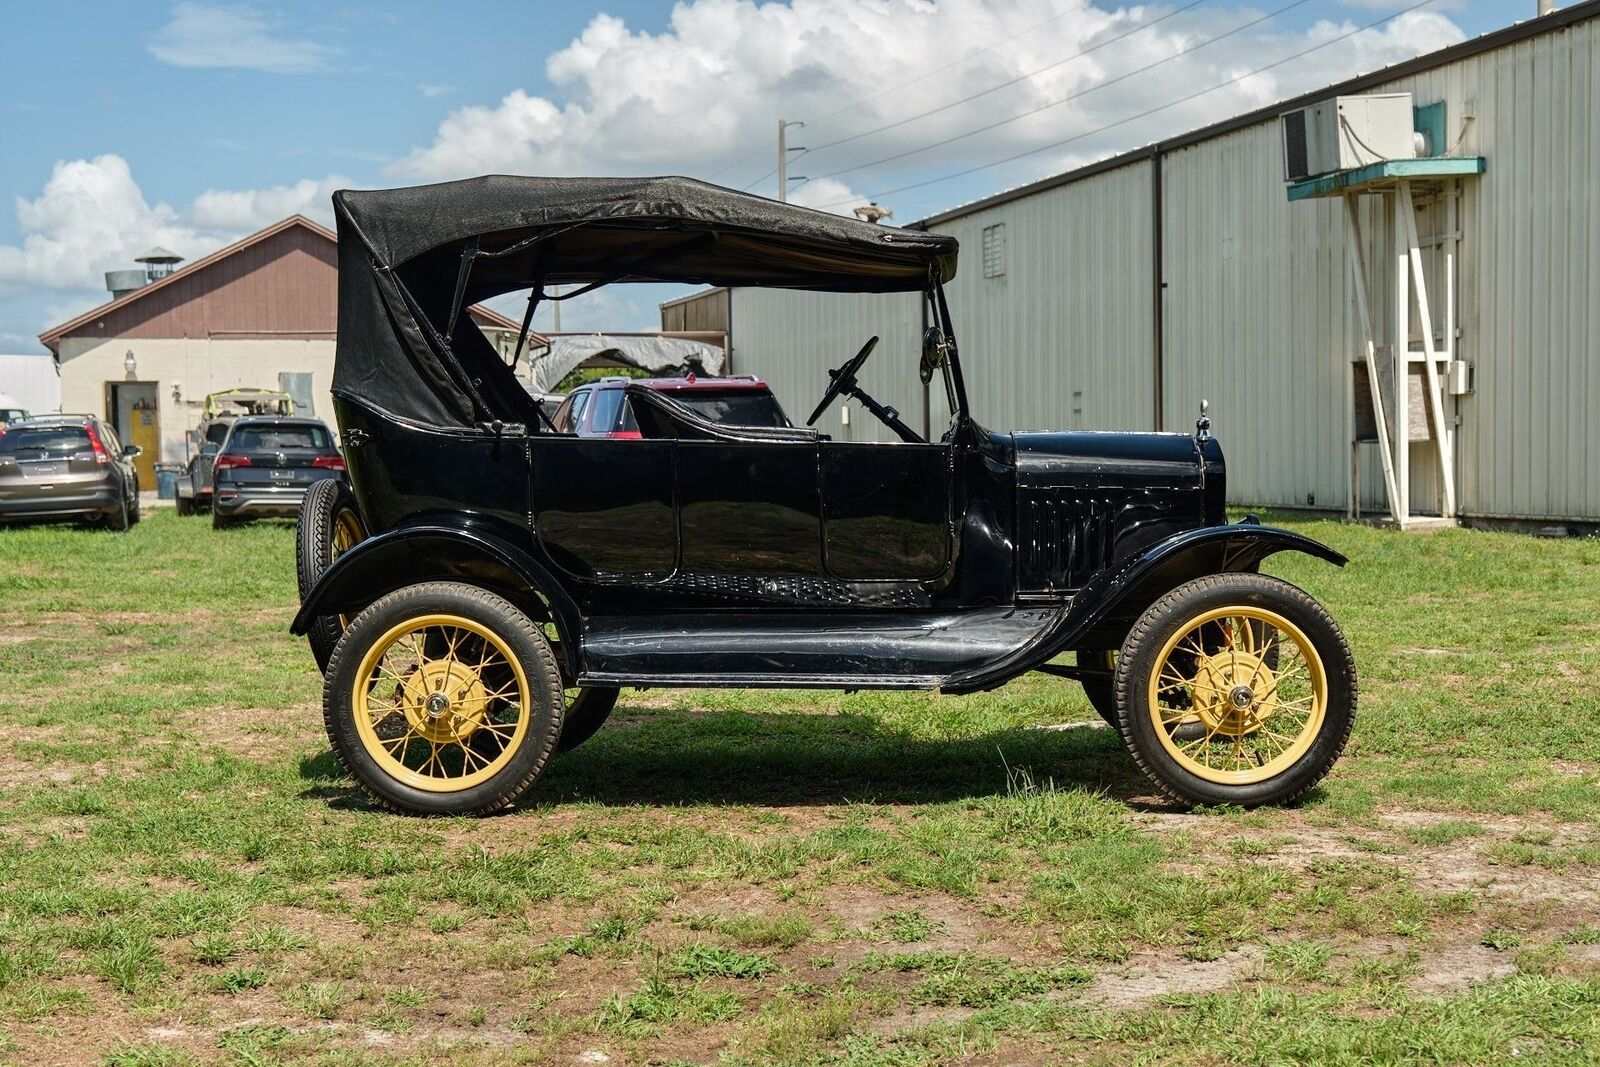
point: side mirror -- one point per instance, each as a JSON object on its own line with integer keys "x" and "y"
{"x": 132, "y": 451}
{"x": 933, "y": 352}
{"x": 210, "y": 448}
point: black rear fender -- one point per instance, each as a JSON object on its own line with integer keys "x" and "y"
{"x": 1104, "y": 610}
{"x": 430, "y": 552}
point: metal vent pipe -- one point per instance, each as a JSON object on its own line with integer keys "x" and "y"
{"x": 1546, "y": 6}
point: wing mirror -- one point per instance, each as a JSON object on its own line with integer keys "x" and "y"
{"x": 132, "y": 450}
{"x": 934, "y": 348}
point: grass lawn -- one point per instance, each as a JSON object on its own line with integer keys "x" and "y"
{"x": 759, "y": 877}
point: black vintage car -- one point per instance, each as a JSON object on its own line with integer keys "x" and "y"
{"x": 487, "y": 583}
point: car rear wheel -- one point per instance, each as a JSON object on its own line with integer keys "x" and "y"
{"x": 1236, "y": 689}
{"x": 118, "y": 520}
{"x": 184, "y": 504}
{"x": 443, "y": 699}
{"x": 327, "y": 527}
{"x": 588, "y": 708}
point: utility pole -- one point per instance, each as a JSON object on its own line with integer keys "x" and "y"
{"x": 783, "y": 159}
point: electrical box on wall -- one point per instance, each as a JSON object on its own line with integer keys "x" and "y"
{"x": 1346, "y": 132}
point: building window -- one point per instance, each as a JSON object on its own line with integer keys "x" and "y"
{"x": 994, "y": 250}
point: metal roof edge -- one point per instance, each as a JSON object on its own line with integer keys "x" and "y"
{"x": 1484, "y": 42}
{"x": 697, "y": 294}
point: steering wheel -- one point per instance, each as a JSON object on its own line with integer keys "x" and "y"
{"x": 842, "y": 379}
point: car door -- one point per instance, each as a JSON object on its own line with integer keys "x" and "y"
{"x": 749, "y": 508}
{"x": 887, "y": 510}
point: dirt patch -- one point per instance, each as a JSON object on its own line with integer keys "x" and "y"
{"x": 1454, "y": 966}
{"x": 1145, "y": 977}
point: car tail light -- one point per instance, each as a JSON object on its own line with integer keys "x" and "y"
{"x": 332, "y": 463}
{"x": 100, "y": 453}
{"x": 228, "y": 460}
{"x": 629, "y": 435}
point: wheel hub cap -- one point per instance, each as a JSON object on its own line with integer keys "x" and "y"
{"x": 1234, "y": 692}
{"x": 444, "y": 701}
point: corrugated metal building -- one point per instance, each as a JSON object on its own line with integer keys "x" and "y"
{"x": 1118, "y": 295}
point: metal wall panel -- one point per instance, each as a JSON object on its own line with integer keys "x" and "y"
{"x": 1257, "y": 305}
{"x": 1258, "y": 295}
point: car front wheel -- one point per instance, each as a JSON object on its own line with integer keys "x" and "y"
{"x": 443, "y": 699}
{"x": 1236, "y": 689}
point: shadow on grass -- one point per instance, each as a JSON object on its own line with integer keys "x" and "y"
{"x": 731, "y": 757}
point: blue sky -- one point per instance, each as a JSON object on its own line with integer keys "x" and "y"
{"x": 194, "y": 123}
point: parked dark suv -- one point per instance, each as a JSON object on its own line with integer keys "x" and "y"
{"x": 266, "y": 465}
{"x": 598, "y": 409}
{"x": 67, "y": 466}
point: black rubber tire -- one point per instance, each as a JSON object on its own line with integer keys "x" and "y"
{"x": 1173, "y": 612}
{"x": 313, "y": 552}
{"x": 118, "y": 520}
{"x": 1100, "y": 691}
{"x": 527, "y": 643}
{"x": 220, "y": 521}
{"x": 184, "y": 505}
{"x": 586, "y": 713}
{"x": 134, "y": 512}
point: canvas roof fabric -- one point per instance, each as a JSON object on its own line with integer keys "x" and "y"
{"x": 401, "y": 277}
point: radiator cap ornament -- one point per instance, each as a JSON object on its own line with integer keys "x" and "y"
{"x": 1202, "y": 425}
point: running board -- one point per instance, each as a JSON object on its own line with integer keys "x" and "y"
{"x": 862, "y": 650}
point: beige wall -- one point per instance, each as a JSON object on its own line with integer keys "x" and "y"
{"x": 196, "y": 366}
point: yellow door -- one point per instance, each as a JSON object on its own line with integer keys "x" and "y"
{"x": 134, "y": 414}
{"x": 147, "y": 435}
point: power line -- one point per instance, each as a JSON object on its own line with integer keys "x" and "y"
{"x": 940, "y": 70}
{"x": 1019, "y": 78}
{"x": 1133, "y": 118}
{"x": 1070, "y": 96}
{"x": 729, "y": 166}
{"x": 951, "y": 66}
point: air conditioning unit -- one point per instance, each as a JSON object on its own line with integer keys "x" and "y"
{"x": 1346, "y": 132}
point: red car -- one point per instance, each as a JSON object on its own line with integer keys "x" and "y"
{"x": 597, "y": 409}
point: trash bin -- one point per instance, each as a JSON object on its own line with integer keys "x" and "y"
{"x": 167, "y": 480}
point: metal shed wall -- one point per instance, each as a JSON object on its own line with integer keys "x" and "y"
{"x": 1257, "y": 299}
{"x": 1257, "y": 302}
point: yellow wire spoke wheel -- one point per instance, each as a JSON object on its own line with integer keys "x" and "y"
{"x": 346, "y": 534}
{"x": 441, "y": 703}
{"x": 1238, "y": 695}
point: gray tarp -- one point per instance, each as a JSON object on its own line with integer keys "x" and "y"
{"x": 654, "y": 354}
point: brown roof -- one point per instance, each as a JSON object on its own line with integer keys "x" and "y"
{"x": 277, "y": 282}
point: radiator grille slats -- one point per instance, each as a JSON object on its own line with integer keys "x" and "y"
{"x": 1062, "y": 540}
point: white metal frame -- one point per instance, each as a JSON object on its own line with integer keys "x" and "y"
{"x": 1392, "y": 414}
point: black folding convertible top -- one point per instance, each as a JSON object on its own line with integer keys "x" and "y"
{"x": 411, "y": 259}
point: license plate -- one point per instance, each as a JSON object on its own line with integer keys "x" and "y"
{"x": 45, "y": 470}
{"x": 282, "y": 476}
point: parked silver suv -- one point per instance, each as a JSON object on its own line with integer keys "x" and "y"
{"x": 67, "y": 466}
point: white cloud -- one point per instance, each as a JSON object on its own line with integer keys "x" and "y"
{"x": 244, "y": 211}
{"x": 239, "y": 37}
{"x": 708, "y": 91}
{"x": 91, "y": 216}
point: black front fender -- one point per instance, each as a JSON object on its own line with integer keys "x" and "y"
{"x": 1104, "y": 610}
{"x": 430, "y": 552}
